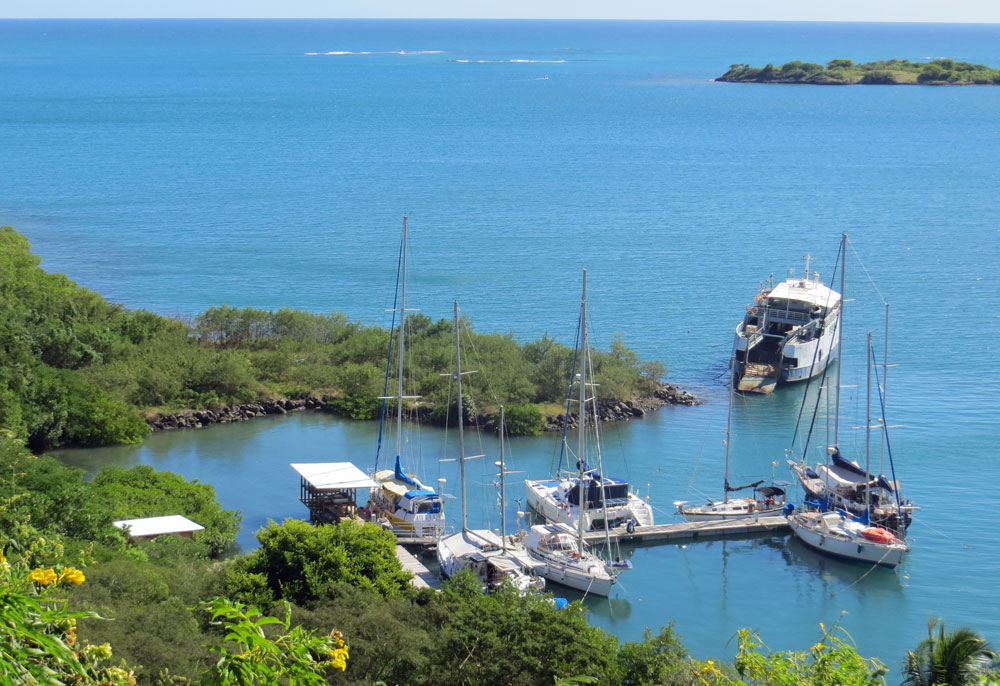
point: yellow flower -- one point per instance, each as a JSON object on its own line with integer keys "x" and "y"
{"x": 74, "y": 576}
{"x": 822, "y": 627}
{"x": 43, "y": 576}
{"x": 338, "y": 658}
{"x": 819, "y": 646}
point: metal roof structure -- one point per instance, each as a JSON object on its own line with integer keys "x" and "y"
{"x": 326, "y": 476}
{"x": 158, "y": 526}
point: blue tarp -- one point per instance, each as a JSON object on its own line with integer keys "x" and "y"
{"x": 416, "y": 494}
{"x": 401, "y": 475}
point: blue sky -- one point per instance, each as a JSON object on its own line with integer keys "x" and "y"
{"x": 979, "y": 11}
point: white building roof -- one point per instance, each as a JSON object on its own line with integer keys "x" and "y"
{"x": 333, "y": 475}
{"x": 812, "y": 292}
{"x": 156, "y": 526}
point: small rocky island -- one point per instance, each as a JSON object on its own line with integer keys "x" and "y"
{"x": 941, "y": 72}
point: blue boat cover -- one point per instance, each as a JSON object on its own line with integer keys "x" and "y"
{"x": 401, "y": 475}
{"x": 417, "y": 494}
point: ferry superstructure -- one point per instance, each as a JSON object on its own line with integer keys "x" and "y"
{"x": 790, "y": 333}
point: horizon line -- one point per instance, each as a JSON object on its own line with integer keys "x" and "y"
{"x": 485, "y": 19}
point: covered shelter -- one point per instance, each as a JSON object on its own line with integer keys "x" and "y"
{"x": 147, "y": 528}
{"x": 330, "y": 489}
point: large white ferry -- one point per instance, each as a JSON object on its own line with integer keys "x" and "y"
{"x": 789, "y": 333}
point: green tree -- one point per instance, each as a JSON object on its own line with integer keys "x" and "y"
{"x": 658, "y": 660}
{"x": 143, "y": 492}
{"x": 299, "y": 562}
{"x": 955, "y": 658}
{"x": 509, "y": 639}
{"x": 523, "y": 420}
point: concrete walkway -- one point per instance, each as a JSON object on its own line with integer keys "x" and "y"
{"x": 422, "y": 577}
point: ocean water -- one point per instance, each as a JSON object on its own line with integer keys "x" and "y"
{"x": 176, "y": 165}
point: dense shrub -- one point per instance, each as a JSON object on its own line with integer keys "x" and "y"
{"x": 523, "y": 420}
{"x": 78, "y": 369}
{"x": 299, "y": 562}
{"x": 143, "y": 492}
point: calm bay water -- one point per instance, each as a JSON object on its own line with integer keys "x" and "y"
{"x": 174, "y": 165}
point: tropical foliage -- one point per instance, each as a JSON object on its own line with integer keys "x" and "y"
{"x": 77, "y": 369}
{"x": 956, "y": 658}
{"x": 844, "y": 72}
{"x": 178, "y": 617}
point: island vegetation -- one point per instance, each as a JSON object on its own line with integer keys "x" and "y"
{"x": 331, "y": 604}
{"x": 842, "y": 72}
{"x": 77, "y": 369}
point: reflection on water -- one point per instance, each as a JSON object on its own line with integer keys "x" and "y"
{"x": 709, "y": 588}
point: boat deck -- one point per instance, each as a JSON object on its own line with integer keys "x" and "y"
{"x": 422, "y": 577}
{"x": 730, "y": 528}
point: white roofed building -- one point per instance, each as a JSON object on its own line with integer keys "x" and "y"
{"x": 147, "y": 528}
{"x": 330, "y": 489}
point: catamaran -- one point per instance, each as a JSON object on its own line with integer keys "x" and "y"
{"x": 585, "y": 497}
{"x": 401, "y": 501}
{"x": 493, "y": 558}
{"x": 789, "y": 333}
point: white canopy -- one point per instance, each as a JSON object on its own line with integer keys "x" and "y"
{"x": 325, "y": 476}
{"x": 157, "y": 526}
{"x": 811, "y": 292}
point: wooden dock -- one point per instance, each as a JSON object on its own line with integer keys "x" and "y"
{"x": 663, "y": 533}
{"x": 422, "y": 577}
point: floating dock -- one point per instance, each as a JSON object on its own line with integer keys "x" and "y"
{"x": 663, "y": 533}
{"x": 422, "y": 577}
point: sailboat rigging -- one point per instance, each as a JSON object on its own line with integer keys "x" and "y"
{"x": 587, "y": 500}
{"x": 842, "y": 483}
{"x": 765, "y": 500}
{"x": 492, "y": 558}
{"x": 412, "y": 509}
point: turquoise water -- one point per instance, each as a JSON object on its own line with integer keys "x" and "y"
{"x": 179, "y": 164}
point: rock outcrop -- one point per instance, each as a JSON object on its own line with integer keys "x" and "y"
{"x": 610, "y": 410}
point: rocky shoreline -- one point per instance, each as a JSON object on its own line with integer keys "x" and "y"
{"x": 610, "y": 411}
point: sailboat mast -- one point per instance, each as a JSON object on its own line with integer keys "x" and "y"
{"x": 402, "y": 329}
{"x": 582, "y": 423}
{"x": 868, "y": 431}
{"x": 729, "y": 426}
{"x": 503, "y": 495}
{"x": 461, "y": 436}
{"x": 840, "y": 338}
{"x": 885, "y": 376}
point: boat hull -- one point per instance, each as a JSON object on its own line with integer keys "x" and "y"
{"x": 734, "y": 509}
{"x": 844, "y": 545}
{"x": 591, "y": 581}
{"x": 546, "y": 497}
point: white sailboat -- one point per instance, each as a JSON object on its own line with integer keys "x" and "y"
{"x": 566, "y": 559}
{"x": 832, "y": 534}
{"x": 493, "y": 558}
{"x": 789, "y": 333}
{"x": 766, "y": 500}
{"x": 401, "y": 501}
{"x": 840, "y": 483}
{"x": 846, "y": 536}
{"x": 587, "y": 499}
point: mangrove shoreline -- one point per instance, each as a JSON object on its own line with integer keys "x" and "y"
{"x": 610, "y": 410}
